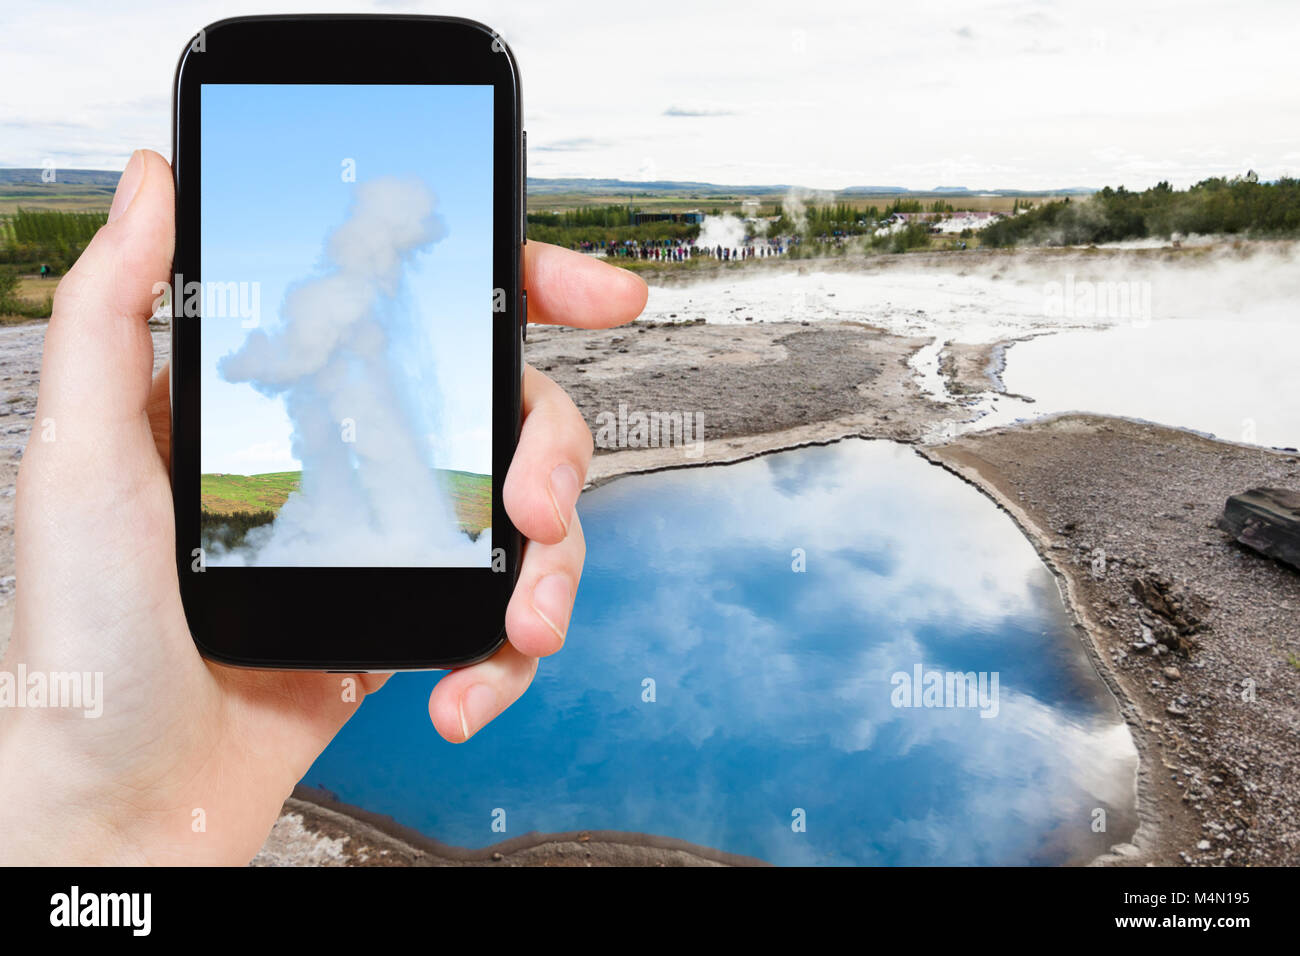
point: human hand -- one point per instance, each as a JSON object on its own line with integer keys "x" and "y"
{"x": 97, "y": 581}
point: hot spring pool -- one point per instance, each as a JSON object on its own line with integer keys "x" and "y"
{"x": 710, "y": 692}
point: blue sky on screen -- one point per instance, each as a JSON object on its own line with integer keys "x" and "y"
{"x": 274, "y": 190}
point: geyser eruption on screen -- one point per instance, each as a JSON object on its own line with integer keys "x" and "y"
{"x": 340, "y": 360}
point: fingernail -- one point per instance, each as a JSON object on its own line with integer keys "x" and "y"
{"x": 552, "y": 598}
{"x": 565, "y": 487}
{"x": 478, "y": 705}
{"x": 127, "y": 185}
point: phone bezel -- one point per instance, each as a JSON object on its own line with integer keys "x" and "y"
{"x": 349, "y": 619}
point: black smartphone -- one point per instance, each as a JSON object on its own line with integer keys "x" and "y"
{"x": 348, "y": 316}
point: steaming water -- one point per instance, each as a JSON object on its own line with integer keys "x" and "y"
{"x": 920, "y": 302}
{"x": 773, "y": 688}
{"x": 1212, "y": 347}
{"x": 1235, "y": 380}
{"x": 725, "y": 231}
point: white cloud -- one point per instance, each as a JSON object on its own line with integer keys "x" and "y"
{"x": 825, "y": 95}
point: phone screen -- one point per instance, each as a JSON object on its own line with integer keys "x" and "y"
{"x": 347, "y": 325}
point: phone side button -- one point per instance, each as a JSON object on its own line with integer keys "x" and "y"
{"x": 525, "y": 315}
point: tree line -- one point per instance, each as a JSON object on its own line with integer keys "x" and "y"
{"x": 1240, "y": 206}
{"x": 30, "y": 238}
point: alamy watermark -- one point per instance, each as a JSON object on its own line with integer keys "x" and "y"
{"x": 1084, "y": 299}
{"x": 922, "y": 688}
{"x": 212, "y": 300}
{"x": 72, "y": 690}
{"x": 76, "y": 908}
{"x": 640, "y": 429}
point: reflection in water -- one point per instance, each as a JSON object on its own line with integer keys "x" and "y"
{"x": 772, "y": 688}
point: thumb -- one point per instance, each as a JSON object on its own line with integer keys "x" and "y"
{"x": 98, "y": 356}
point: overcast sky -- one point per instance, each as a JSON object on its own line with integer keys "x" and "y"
{"x": 978, "y": 93}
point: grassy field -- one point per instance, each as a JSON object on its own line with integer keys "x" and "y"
{"x": 35, "y": 288}
{"x": 225, "y": 494}
{"x": 33, "y": 291}
{"x": 263, "y": 495}
{"x": 471, "y": 496}
{"x": 69, "y": 198}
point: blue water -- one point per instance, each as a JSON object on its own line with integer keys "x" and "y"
{"x": 772, "y": 688}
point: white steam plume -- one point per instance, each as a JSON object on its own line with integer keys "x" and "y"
{"x": 796, "y": 203}
{"x": 369, "y": 495}
{"x": 726, "y": 230}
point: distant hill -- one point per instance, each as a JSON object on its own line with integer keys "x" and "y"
{"x": 962, "y": 191}
{"x": 873, "y": 190}
{"x": 596, "y": 187}
{"x": 63, "y": 177}
{"x": 624, "y": 187}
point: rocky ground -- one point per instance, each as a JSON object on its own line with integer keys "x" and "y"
{"x": 972, "y": 368}
{"x": 758, "y": 387}
{"x": 313, "y": 830}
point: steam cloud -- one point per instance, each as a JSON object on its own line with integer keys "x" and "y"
{"x": 796, "y": 203}
{"x": 342, "y": 359}
{"x": 726, "y": 230}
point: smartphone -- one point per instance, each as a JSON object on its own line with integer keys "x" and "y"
{"x": 348, "y": 316}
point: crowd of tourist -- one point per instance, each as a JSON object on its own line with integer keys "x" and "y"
{"x": 682, "y": 250}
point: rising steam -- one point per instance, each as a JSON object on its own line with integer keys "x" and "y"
{"x": 339, "y": 360}
{"x": 726, "y": 230}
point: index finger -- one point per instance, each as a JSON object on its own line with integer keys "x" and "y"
{"x": 570, "y": 288}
